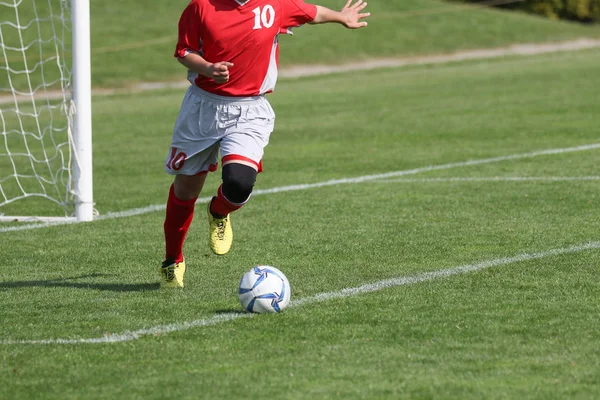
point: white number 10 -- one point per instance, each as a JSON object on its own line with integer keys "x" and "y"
{"x": 267, "y": 17}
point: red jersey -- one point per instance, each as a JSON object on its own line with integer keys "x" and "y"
{"x": 244, "y": 34}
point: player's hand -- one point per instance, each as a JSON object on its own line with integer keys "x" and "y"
{"x": 352, "y": 14}
{"x": 219, "y": 71}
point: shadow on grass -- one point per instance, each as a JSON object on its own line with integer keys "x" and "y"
{"x": 69, "y": 283}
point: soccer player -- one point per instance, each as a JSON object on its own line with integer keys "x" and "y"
{"x": 230, "y": 48}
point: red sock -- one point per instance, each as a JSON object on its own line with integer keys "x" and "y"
{"x": 177, "y": 222}
{"x": 221, "y": 206}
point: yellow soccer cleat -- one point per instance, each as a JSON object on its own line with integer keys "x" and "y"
{"x": 220, "y": 234}
{"x": 171, "y": 274}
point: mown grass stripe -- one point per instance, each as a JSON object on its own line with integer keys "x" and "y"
{"x": 321, "y": 297}
{"x": 343, "y": 181}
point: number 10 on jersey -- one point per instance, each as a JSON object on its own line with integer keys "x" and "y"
{"x": 264, "y": 18}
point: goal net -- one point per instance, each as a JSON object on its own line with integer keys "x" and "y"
{"x": 43, "y": 162}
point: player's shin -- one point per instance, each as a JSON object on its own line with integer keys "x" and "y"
{"x": 238, "y": 181}
{"x": 177, "y": 222}
{"x": 221, "y": 207}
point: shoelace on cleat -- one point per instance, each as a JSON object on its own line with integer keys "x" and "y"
{"x": 169, "y": 273}
{"x": 221, "y": 229}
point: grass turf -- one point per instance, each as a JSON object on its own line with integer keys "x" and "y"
{"x": 396, "y": 28}
{"x": 487, "y": 109}
{"x": 523, "y": 330}
{"x": 134, "y": 41}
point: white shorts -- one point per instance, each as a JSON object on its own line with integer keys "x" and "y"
{"x": 239, "y": 127}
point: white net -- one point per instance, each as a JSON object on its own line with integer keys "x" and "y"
{"x": 35, "y": 107}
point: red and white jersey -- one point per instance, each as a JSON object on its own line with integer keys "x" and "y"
{"x": 244, "y": 34}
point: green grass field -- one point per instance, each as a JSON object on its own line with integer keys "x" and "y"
{"x": 519, "y": 321}
{"x": 396, "y": 28}
{"x": 522, "y": 330}
{"x": 134, "y": 41}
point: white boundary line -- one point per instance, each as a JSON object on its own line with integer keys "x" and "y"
{"x": 524, "y": 49}
{"x": 495, "y": 179}
{"x": 359, "y": 179}
{"x": 321, "y": 297}
{"x": 301, "y": 71}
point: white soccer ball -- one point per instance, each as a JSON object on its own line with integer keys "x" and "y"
{"x": 264, "y": 289}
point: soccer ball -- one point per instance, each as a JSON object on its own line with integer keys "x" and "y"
{"x": 264, "y": 289}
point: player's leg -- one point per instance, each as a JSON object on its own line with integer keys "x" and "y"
{"x": 234, "y": 192}
{"x": 179, "y": 215}
{"x": 241, "y": 150}
{"x": 180, "y": 211}
{"x": 192, "y": 154}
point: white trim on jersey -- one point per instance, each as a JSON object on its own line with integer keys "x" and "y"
{"x": 271, "y": 77}
{"x": 191, "y": 75}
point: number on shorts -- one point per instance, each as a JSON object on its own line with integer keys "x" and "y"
{"x": 176, "y": 160}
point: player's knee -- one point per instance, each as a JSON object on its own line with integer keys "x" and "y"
{"x": 238, "y": 181}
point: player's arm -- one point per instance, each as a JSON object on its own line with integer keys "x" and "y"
{"x": 188, "y": 47}
{"x": 218, "y": 71}
{"x": 350, "y": 15}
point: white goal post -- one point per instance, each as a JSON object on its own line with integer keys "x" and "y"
{"x": 45, "y": 110}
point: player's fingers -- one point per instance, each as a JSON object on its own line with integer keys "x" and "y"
{"x": 362, "y": 6}
{"x": 357, "y": 4}
{"x": 347, "y": 4}
{"x": 220, "y": 72}
{"x": 358, "y": 25}
{"x": 226, "y": 63}
{"x": 220, "y": 67}
{"x": 363, "y": 15}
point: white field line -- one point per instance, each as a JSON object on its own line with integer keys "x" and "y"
{"x": 523, "y": 49}
{"x": 495, "y": 179}
{"x": 321, "y": 297}
{"x": 333, "y": 182}
{"x": 526, "y": 49}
